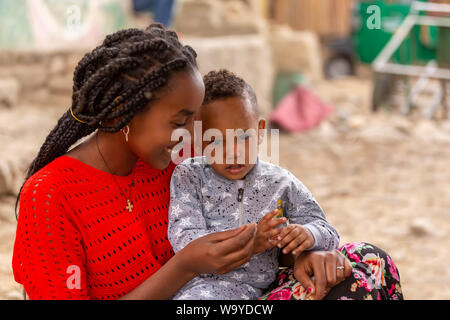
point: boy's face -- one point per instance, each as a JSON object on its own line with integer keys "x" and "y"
{"x": 235, "y": 157}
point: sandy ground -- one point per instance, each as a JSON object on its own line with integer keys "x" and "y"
{"x": 380, "y": 178}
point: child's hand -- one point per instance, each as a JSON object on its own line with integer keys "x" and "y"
{"x": 295, "y": 238}
{"x": 267, "y": 231}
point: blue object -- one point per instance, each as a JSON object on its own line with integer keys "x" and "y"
{"x": 162, "y": 9}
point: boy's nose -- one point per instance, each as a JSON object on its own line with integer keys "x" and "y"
{"x": 236, "y": 155}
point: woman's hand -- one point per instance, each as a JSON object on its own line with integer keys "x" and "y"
{"x": 325, "y": 266}
{"x": 220, "y": 252}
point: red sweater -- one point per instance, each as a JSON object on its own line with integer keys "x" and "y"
{"x": 76, "y": 240}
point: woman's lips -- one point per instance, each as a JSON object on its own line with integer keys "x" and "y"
{"x": 235, "y": 169}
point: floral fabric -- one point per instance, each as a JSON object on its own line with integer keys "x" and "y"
{"x": 374, "y": 277}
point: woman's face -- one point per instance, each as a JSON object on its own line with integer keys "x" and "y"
{"x": 175, "y": 107}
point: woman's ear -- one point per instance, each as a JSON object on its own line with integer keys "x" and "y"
{"x": 261, "y": 130}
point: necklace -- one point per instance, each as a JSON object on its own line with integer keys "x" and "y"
{"x": 129, "y": 205}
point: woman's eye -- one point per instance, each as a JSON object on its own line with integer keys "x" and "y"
{"x": 180, "y": 124}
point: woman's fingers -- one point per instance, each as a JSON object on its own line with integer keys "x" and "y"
{"x": 340, "y": 268}
{"x": 347, "y": 267}
{"x": 303, "y": 275}
{"x": 331, "y": 270}
{"x": 234, "y": 265}
{"x": 237, "y": 242}
{"x": 237, "y": 258}
{"x": 224, "y": 235}
{"x": 320, "y": 278}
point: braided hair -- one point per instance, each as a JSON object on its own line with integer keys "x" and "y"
{"x": 125, "y": 70}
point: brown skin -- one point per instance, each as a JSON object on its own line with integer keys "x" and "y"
{"x": 149, "y": 139}
{"x": 222, "y": 115}
{"x": 235, "y": 113}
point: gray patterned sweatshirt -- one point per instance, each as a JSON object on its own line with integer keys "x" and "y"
{"x": 203, "y": 202}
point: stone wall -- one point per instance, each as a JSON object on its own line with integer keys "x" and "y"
{"x": 37, "y": 78}
{"x": 249, "y": 56}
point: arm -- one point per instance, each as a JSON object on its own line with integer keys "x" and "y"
{"x": 218, "y": 253}
{"x": 48, "y": 257}
{"x": 186, "y": 221}
{"x": 304, "y": 210}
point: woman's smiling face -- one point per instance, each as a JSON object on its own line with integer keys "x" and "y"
{"x": 175, "y": 107}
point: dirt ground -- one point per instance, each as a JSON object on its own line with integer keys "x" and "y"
{"x": 380, "y": 178}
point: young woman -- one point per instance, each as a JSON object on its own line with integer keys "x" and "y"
{"x": 92, "y": 220}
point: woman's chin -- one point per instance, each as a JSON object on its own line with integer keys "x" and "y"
{"x": 159, "y": 164}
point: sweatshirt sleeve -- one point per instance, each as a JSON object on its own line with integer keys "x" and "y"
{"x": 48, "y": 257}
{"x": 186, "y": 220}
{"x": 304, "y": 210}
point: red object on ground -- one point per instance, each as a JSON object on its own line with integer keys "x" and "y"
{"x": 300, "y": 110}
{"x": 75, "y": 238}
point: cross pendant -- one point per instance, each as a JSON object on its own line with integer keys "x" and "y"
{"x": 129, "y": 205}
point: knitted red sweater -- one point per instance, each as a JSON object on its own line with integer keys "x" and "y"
{"x": 75, "y": 238}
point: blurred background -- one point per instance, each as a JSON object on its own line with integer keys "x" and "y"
{"x": 357, "y": 88}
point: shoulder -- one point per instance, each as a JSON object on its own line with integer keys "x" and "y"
{"x": 272, "y": 170}
{"x": 192, "y": 166}
{"x": 52, "y": 177}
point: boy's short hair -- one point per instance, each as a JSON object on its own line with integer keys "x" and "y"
{"x": 222, "y": 84}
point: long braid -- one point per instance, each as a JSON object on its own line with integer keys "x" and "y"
{"x": 125, "y": 70}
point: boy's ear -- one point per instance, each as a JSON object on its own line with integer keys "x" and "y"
{"x": 261, "y": 127}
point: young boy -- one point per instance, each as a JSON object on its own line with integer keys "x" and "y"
{"x": 217, "y": 192}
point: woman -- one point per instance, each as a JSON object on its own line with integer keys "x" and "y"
{"x": 92, "y": 220}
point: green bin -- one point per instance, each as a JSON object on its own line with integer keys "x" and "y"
{"x": 417, "y": 48}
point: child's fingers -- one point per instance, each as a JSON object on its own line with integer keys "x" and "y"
{"x": 295, "y": 243}
{"x": 268, "y": 217}
{"x": 305, "y": 245}
{"x": 285, "y": 236}
{"x": 274, "y": 223}
{"x": 271, "y": 234}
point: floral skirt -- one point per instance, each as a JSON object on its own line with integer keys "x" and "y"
{"x": 374, "y": 277}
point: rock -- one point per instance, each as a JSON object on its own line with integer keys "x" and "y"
{"x": 209, "y": 18}
{"x": 57, "y": 65}
{"x": 61, "y": 84}
{"x": 9, "y": 92}
{"x": 31, "y": 76}
{"x": 249, "y": 56}
{"x": 427, "y": 130}
{"x": 72, "y": 61}
{"x": 38, "y": 96}
{"x": 7, "y": 205}
{"x": 422, "y": 227}
{"x": 296, "y": 51}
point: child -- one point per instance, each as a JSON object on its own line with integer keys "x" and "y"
{"x": 207, "y": 197}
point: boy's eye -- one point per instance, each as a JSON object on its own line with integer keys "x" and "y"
{"x": 244, "y": 137}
